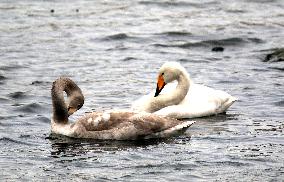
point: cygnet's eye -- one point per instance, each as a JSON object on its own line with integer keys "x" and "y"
{"x": 79, "y": 106}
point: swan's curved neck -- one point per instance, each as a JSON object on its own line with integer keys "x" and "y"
{"x": 175, "y": 97}
{"x": 60, "y": 112}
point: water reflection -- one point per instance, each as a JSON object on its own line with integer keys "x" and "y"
{"x": 70, "y": 147}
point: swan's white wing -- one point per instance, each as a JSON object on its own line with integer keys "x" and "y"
{"x": 142, "y": 103}
{"x": 200, "y": 101}
{"x": 187, "y": 111}
{"x": 200, "y": 95}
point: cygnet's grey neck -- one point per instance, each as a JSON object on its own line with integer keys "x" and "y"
{"x": 60, "y": 112}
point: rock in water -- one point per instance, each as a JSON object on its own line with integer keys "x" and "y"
{"x": 276, "y": 56}
{"x": 217, "y": 49}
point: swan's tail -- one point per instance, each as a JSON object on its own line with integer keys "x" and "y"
{"x": 178, "y": 129}
{"x": 228, "y": 103}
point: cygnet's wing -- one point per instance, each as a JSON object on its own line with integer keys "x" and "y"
{"x": 130, "y": 126}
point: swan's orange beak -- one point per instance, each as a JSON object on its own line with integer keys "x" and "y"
{"x": 71, "y": 110}
{"x": 160, "y": 85}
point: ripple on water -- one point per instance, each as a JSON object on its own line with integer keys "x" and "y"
{"x": 41, "y": 83}
{"x": 10, "y": 67}
{"x": 279, "y": 103}
{"x": 181, "y": 4}
{"x": 31, "y": 108}
{"x": 37, "y": 82}
{"x": 17, "y": 95}
{"x": 119, "y": 36}
{"x": 277, "y": 68}
{"x": 2, "y": 77}
{"x": 128, "y": 59}
{"x": 43, "y": 119}
{"x": 235, "y": 41}
{"x": 4, "y": 100}
{"x": 7, "y": 7}
{"x": 176, "y": 34}
{"x": 7, "y": 141}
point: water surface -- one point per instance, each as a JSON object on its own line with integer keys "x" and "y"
{"x": 113, "y": 51}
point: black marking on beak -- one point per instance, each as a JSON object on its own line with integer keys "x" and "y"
{"x": 158, "y": 91}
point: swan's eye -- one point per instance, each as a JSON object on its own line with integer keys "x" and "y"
{"x": 162, "y": 73}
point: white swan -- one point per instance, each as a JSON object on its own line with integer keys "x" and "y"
{"x": 114, "y": 125}
{"x": 183, "y": 99}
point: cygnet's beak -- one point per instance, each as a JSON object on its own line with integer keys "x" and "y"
{"x": 71, "y": 110}
{"x": 160, "y": 85}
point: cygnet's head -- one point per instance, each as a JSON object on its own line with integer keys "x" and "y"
{"x": 169, "y": 72}
{"x": 76, "y": 101}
